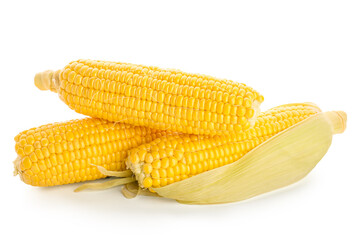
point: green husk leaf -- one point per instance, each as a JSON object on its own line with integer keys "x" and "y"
{"x": 129, "y": 193}
{"x": 106, "y": 184}
{"x": 126, "y": 173}
{"x": 131, "y": 190}
{"x": 282, "y": 160}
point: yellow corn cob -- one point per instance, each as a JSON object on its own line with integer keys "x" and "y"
{"x": 282, "y": 160}
{"x": 170, "y": 159}
{"x": 153, "y": 97}
{"x": 292, "y": 148}
{"x": 66, "y": 152}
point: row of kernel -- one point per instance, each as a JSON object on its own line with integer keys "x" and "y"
{"x": 138, "y": 86}
{"x": 180, "y": 78}
{"x": 47, "y": 179}
{"x": 77, "y": 148}
{"x": 131, "y": 67}
{"x": 170, "y": 111}
{"x": 162, "y": 177}
{"x": 46, "y": 158}
{"x": 214, "y": 84}
{"x": 46, "y": 169}
{"x": 203, "y": 127}
{"x": 152, "y": 119}
{"x": 54, "y": 133}
{"x": 57, "y": 145}
{"x": 171, "y": 101}
{"x": 155, "y": 71}
{"x": 57, "y": 164}
{"x": 185, "y": 112}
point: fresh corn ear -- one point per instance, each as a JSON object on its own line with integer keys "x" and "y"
{"x": 69, "y": 152}
{"x": 282, "y": 160}
{"x": 174, "y": 158}
{"x": 154, "y": 97}
{"x": 266, "y": 158}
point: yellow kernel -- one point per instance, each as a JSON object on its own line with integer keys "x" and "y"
{"x": 58, "y": 148}
{"x": 156, "y": 164}
{"x": 76, "y": 165}
{"x": 30, "y": 139}
{"x": 182, "y": 177}
{"x": 155, "y": 173}
{"x": 147, "y": 168}
{"x": 238, "y": 128}
{"x": 162, "y": 173}
{"x": 161, "y": 97}
{"x": 179, "y": 101}
{"x": 37, "y": 144}
{"x": 20, "y": 152}
{"x": 58, "y": 138}
{"x": 147, "y": 182}
{"x": 163, "y": 182}
{"x": 241, "y": 111}
{"x": 249, "y": 113}
{"x": 25, "y": 163}
{"x": 53, "y": 159}
{"x": 28, "y": 149}
{"x": 142, "y": 154}
{"x": 249, "y": 95}
{"x": 193, "y": 169}
{"x": 156, "y": 182}
{"x": 35, "y": 169}
{"x": 51, "y": 139}
{"x": 69, "y": 136}
{"x": 170, "y": 180}
{"x": 134, "y": 157}
{"x": 210, "y": 164}
{"x": 165, "y": 162}
{"x": 39, "y": 154}
{"x": 182, "y": 168}
{"x": 177, "y": 170}
{"x": 170, "y": 172}
{"x": 44, "y": 142}
{"x": 178, "y": 154}
{"x": 51, "y": 148}
{"x": 173, "y": 161}
{"x": 247, "y": 102}
{"x": 200, "y": 168}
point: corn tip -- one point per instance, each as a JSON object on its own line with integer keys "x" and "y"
{"x": 337, "y": 120}
{"x": 42, "y": 80}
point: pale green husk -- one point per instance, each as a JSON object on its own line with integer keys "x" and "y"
{"x": 282, "y": 160}
{"x": 105, "y": 185}
{"x": 131, "y": 190}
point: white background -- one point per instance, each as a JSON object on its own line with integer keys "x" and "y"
{"x": 290, "y": 51}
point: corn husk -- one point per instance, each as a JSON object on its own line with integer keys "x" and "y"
{"x": 282, "y": 160}
{"x": 132, "y": 190}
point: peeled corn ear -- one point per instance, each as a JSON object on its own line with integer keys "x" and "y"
{"x": 67, "y": 152}
{"x": 153, "y": 97}
{"x": 282, "y": 160}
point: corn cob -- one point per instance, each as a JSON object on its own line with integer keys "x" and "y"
{"x": 284, "y": 146}
{"x": 63, "y": 153}
{"x": 174, "y": 158}
{"x": 282, "y": 160}
{"x": 154, "y": 97}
